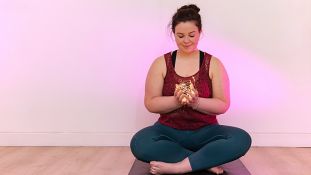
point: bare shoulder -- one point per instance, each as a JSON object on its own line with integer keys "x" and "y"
{"x": 159, "y": 65}
{"x": 215, "y": 61}
{"x": 216, "y": 66}
{"x": 159, "y": 61}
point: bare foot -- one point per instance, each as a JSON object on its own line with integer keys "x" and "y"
{"x": 157, "y": 167}
{"x": 162, "y": 167}
{"x": 216, "y": 170}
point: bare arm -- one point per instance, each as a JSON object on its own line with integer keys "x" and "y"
{"x": 220, "y": 101}
{"x": 154, "y": 101}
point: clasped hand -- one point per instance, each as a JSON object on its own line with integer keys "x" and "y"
{"x": 187, "y": 97}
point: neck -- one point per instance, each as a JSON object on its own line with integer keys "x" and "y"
{"x": 187, "y": 54}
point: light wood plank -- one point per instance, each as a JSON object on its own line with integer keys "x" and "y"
{"x": 278, "y": 161}
{"x": 118, "y": 161}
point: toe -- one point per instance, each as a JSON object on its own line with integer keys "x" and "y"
{"x": 216, "y": 170}
{"x": 153, "y": 170}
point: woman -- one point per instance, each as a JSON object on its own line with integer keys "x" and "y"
{"x": 188, "y": 88}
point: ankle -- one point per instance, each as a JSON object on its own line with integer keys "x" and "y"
{"x": 183, "y": 166}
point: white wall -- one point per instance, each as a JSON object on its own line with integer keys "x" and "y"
{"x": 73, "y": 72}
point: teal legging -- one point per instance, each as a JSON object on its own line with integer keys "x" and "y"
{"x": 206, "y": 147}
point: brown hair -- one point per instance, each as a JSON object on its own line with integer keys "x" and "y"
{"x": 187, "y": 13}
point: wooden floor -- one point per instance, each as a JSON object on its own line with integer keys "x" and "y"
{"x": 118, "y": 161}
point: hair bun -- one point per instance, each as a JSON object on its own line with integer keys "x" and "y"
{"x": 190, "y": 7}
{"x": 186, "y": 13}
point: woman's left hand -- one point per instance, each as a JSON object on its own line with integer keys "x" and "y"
{"x": 193, "y": 98}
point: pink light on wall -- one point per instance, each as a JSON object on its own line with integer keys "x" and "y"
{"x": 254, "y": 84}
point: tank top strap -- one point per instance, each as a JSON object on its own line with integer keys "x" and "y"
{"x": 206, "y": 62}
{"x": 169, "y": 64}
{"x": 168, "y": 61}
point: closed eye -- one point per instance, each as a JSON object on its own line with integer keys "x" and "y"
{"x": 189, "y": 36}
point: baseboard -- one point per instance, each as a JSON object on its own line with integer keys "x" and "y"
{"x": 123, "y": 139}
{"x": 66, "y": 139}
{"x": 281, "y": 139}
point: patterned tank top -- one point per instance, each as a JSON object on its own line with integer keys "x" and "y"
{"x": 185, "y": 118}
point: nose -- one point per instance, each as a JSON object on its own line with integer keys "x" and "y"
{"x": 186, "y": 39}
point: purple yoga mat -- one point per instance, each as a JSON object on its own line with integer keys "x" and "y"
{"x": 232, "y": 168}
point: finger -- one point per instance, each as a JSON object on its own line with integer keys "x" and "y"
{"x": 153, "y": 170}
{"x": 181, "y": 97}
{"x": 193, "y": 99}
{"x": 192, "y": 93}
{"x": 176, "y": 92}
{"x": 183, "y": 100}
{"x": 196, "y": 92}
{"x": 179, "y": 93}
{"x": 190, "y": 98}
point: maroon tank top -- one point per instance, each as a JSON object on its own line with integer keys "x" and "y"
{"x": 185, "y": 118}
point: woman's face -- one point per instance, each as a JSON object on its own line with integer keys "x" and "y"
{"x": 187, "y": 36}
